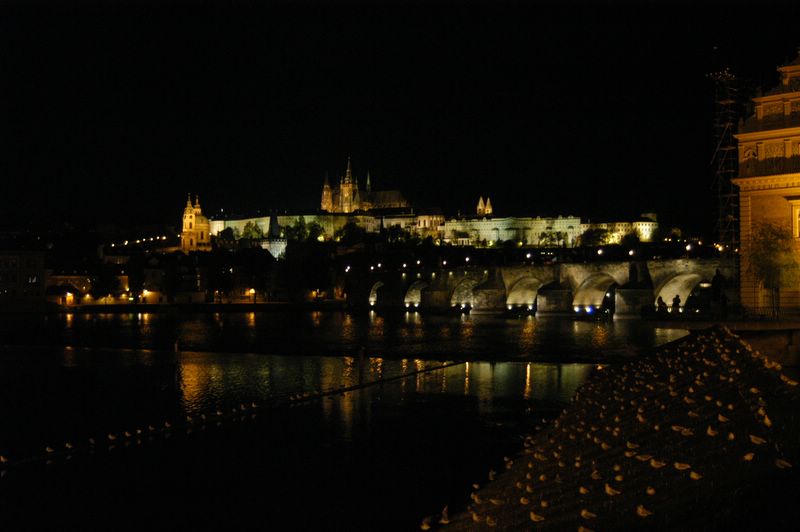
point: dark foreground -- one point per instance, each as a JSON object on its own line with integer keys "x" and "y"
{"x": 701, "y": 434}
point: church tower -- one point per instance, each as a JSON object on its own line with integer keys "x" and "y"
{"x": 487, "y": 210}
{"x": 327, "y": 196}
{"x": 196, "y": 229}
{"x": 346, "y": 190}
{"x": 481, "y": 210}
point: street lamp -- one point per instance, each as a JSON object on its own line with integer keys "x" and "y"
{"x": 253, "y": 293}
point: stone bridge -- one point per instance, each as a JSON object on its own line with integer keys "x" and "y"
{"x": 621, "y": 288}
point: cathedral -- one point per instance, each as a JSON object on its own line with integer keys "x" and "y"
{"x": 346, "y": 197}
{"x": 196, "y": 233}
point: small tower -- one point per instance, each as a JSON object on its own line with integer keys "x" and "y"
{"x": 369, "y": 184}
{"x": 346, "y": 194}
{"x": 481, "y": 207}
{"x": 327, "y": 196}
{"x": 487, "y": 210}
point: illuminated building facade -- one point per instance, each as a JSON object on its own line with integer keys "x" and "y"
{"x": 769, "y": 179}
{"x": 346, "y": 197}
{"x": 196, "y": 232}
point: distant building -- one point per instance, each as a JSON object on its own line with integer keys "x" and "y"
{"x": 346, "y": 197}
{"x": 769, "y": 178}
{"x": 196, "y": 233}
{"x": 22, "y": 277}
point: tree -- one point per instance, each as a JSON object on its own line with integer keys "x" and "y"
{"x": 298, "y": 231}
{"x": 350, "y": 234}
{"x": 104, "y": 282}
{"x": 594, "y": 237}
{"x": 772, "y": 260}
{"x": 252, "y": 231}
{"x": 315, "y": 231}
{"x": 630, "y": 240}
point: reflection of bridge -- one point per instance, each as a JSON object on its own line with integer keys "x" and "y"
{"x": 623, "y": 288}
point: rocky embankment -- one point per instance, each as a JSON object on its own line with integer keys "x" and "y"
{"x": 700, "y": 434}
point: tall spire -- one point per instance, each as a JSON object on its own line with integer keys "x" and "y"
{"x": 197, "y": 201}
{"x": 348, "y": 175}
{"x": 481, "y": 207}
{"x": 325, "y": 183}
{"x": 369, "y": 185}
{"x": 488, "y": 208}
{"x": 189, "y": 199}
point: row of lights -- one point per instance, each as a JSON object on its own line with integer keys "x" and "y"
{"x": 140, "y": 240}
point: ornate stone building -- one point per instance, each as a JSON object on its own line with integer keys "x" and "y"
{"x": 346, "y": 197}
{"x": 769, "y": 178}
{"x": 196, "y": 232}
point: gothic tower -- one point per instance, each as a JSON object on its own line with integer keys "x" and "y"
{"x": 481, "y": 210}
{"x": 327, "y": 196}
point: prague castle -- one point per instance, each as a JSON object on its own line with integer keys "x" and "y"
{"x": 376, "y": 210}
{"x": 346, "y": 197}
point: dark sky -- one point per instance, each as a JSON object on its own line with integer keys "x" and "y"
{"x": 114, "y": 113}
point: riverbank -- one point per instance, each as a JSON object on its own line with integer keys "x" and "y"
{"x": 699, "y": 434}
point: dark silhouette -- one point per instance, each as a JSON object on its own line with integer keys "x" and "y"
{"x": 676, "y": 304}
{"x": 661, "y": 305}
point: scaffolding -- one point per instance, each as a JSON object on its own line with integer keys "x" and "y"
{"x": 728, "y": 109}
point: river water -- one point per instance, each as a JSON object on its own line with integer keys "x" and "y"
{"x": 379, "y": 456}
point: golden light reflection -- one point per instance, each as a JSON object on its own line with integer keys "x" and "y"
{"x": 466, "y": 378}
{"x": 146, "y": 318}
{"x": 600, "y": 335}
{"x": 528, "y": 333}
{"x": 251, "y": 319}
{"x": 68, "y": 316}
{"x": 528, "y": 389}
{"x": 315, "y": 318}
{"x": 376, "y": 367}
{"x": 349, "y": 373}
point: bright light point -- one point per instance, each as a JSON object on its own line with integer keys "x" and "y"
{"x": 408, "y": 305}
{"x": 575, "y": 308}
{"x": 252, "y": 291}
{"x": 379, "y": 265}
{"x": 372, "y": 267}
{"x": 688, "y": 247}
{"x": 699, "y": 243}
{"x": 125, "y": 243}
{"x": 467, "y": 259}
{"x": 416, "y": 305}
{"x": 444, "y": 263}
{"x": 530, "y": 307}
{"x": 589, "y": 309}
{"x": 527, "y": 255}
{"x": 630, "y": 252}
{"x": 371, "y": 303}
{"x": 463, "y": 305}
{"x": 404, "y": 265}
{"x": 418, "y": 262}
{"x": 112, "y": 244}
{"x": 509, "y": 307}
{"x": 321, "y": 238}
{"x": 600, "y": 251}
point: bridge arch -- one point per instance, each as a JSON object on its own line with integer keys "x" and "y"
{"x": 414, "y": 293}
{"x": 374, "y": 292}
{"x": 681, "y": 284}
{"x": 523, "y": 291}
{"x": 462, "y": 293}
{"x": 593, "y": 291}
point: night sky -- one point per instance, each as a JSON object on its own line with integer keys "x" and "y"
{"x": 114, "y": 113}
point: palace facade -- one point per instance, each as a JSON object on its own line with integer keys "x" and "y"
{"x": 769, "y": 181}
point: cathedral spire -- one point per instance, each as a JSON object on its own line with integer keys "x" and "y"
{"x": 348, "y": 175}
{"x": 488, "y": 208}
{"x": 197, "y": 201}
{"x": 189, "y": 199}
{"x": 481, "y": 207}
{"x": 325, "y": 183}
{"x": 369, "y": 185}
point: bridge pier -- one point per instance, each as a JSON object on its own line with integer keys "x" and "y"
{"x": 628, "y": 302}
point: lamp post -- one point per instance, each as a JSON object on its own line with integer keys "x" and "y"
{"x": 253, "y": 293}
